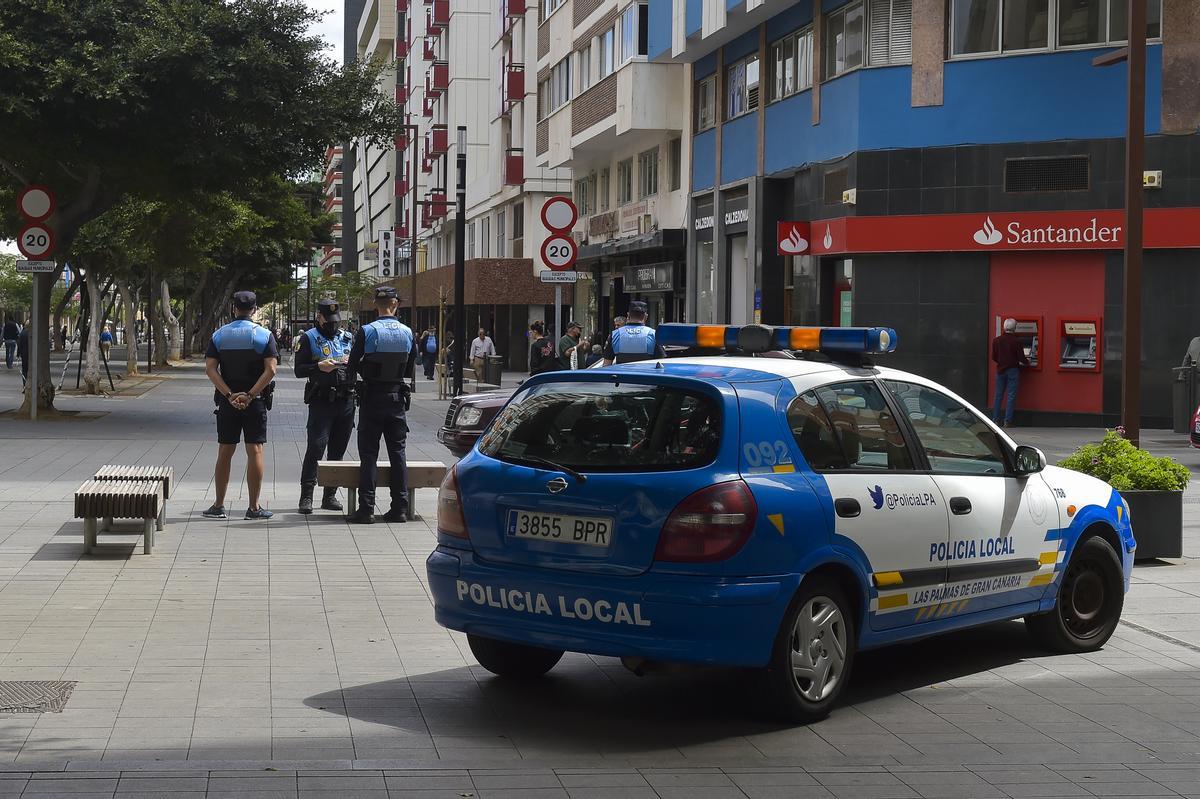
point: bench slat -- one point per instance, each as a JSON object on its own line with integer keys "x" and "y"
{"x": 344, "y": 474}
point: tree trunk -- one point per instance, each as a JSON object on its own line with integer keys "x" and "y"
{"x": 130, "y": 302}
{"x": 159, "y": 333}
{"x": 91, "y": 366}
{"x": 195, "y": 311}
{"x": 60, "y": 307}
{"x": 171, "y": 321}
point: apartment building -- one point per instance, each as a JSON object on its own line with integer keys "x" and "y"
{"x": 938, "y": 166}
{"x": 329, "y": 260}
{"x": 618, "y": 122}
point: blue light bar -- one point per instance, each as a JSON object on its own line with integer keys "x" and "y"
{"x": 760, "y": 338}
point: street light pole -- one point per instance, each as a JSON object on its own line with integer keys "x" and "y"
{"x": 460, "y": 261}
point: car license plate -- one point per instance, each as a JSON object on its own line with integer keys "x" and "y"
{"x": 592, "y": 531}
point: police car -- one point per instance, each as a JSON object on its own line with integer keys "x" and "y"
{"x": 772, "y": 513}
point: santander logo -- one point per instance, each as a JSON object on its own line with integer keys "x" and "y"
{"x": 793, "y": 243}
{"x": 828, "y": 240}
{"x": 988, "y": 234}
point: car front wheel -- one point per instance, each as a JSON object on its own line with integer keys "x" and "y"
{"x": 1090, "y": 597}
{"x": 517, "y": 661}
{"x": 813, "y": 653}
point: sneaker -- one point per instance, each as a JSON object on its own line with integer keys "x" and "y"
{"x": 215, "y": 512}
{"x": 258, "y": 513}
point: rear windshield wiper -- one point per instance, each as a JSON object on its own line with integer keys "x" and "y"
{"x": 534, "y": 460}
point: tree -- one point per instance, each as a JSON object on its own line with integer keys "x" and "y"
{"x": 15, "y": 292}
{"x": 153, "y": 99}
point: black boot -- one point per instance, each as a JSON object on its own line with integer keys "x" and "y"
{"x": 395, "y": 516}
{"x": 330, "y": 501}
{"x": 361, "y": 516}
{"x": 306, "y": 499}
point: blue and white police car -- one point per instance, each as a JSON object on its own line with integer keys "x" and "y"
{"x": 772, "y": 513}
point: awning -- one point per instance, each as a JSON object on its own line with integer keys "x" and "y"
{"x": 631, "y": 245}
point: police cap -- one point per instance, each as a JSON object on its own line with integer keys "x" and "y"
{"x": 637, "y": 307}
{"x": 329, "y": 310}
{"x": 386, "y": 293}
{"x": 245, "y": 300}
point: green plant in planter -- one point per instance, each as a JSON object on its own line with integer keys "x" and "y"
{"x": 1116, "y": 461}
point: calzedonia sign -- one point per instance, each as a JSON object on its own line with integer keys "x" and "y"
{"x": 999, "y": 231}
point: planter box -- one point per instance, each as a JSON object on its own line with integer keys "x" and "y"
{"x": 1157, "y": 522}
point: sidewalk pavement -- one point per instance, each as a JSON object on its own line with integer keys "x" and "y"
{"x": 308, "y": 646}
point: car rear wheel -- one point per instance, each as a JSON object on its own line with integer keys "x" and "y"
{"x": 517, "y": 661}
{"x": 1090, "y": 597}
{"x": 813, "y": 653}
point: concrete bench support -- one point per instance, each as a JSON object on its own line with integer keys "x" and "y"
{"x": 344, "y": 474}
{"x": 120, "y": 499}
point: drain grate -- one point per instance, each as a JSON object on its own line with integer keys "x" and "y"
{"x": 30, "y": 696}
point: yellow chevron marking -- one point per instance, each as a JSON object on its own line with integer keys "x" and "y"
{"x": 784, "y": 468}
{"x": 884, "y": 579}
{"x": 1041, "y": 579}
{"x": 893, "y": 601}
{"x": 777, "y": 520}
{"x": 921, "y": 613}
{"x": 1120, "y": 511}
{"x": 1049, "y": 558}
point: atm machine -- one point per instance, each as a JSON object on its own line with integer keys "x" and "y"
{"x": 1079, "y": 349}
{"x": 1029, "y": 331}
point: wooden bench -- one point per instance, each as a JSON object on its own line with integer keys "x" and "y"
{"x": 114, "y": 471}
{"x": 344, "y": 474}
{"x": 120, "y": 499}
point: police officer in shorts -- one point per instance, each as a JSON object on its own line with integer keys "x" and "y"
{"x": 241, "y": 361}
{"x": 384, "y": 355}
{"x": 329, "y": 394}
{"x": 634, "y": 340}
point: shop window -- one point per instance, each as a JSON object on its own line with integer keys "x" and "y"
{"x": 741, "y": 87}
{"x": 988, "y": 27}
{"x": 706, "y": 282}
{"x": 791, "y": 64}
{"x": 675, "y": 163}
{"x": 648, "y": 173}
{"x": 706, "y": 103}
{"x": 889, "y": 32}
{"x": 844, "y": 34}
{"x": 633, "y": 26}
{"x": 1069, "y": 173}
{"x": 625, "y": 181}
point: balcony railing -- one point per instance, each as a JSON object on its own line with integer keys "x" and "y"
{"x": 437, "y": 16}
{"x": 438, "y": 207}
{"x": 427, "y": 107}
{"x": 430, "y": 47}
{"x": 401, "y": 93}
{"x": 437, "y": 141}
{"x": 514, "y": 83}
{"x": 437, "y": 79}
{"x": 514, "y": 167}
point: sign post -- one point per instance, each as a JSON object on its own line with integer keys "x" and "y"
{"x": 559, "y": 252}
{"x": 36, "y": 242}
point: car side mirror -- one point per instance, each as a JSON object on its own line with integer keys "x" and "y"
{"x": 1029, "y": 460}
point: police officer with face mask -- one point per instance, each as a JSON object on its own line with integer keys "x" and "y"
{"x": 329, "y": 395}
{"x": 384, "y": 356}
{"x": 634, "y": 340}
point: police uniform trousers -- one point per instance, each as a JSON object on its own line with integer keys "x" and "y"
{"x": 329, "y": 426}
{"x": 381, "y": 415}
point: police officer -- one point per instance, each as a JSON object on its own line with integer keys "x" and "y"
{"x": 329, "y": 395}
{"x": 241, "y": 361}
{"x": 634, "y": 340}
{"x": 384, "y": 355}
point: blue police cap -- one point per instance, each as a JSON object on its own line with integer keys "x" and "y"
{"x": 386, "y": 293}
{"x": 245, "y": 299}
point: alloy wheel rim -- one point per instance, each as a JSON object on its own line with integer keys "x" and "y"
{"x": 817, "y": 649}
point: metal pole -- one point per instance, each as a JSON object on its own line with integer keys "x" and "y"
{"x": 31, "y": 342}
{"x": 149, "y": 323}
{"x": 460, "y": 262}
{"x": 412, "y": 246}
{"x": 557, "y": 315}
{"x": 1135, "y": 143}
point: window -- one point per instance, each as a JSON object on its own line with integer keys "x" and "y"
{"x": 844, "y": 33}
{"x": 486, "y": 239}
{"x": 604, "y": 45}
{"x": 675, "y": 162}
{"x": 633, "y": 26}
{"x": 500, "y": 253}
{"x": 648, "y": 173}
{"x": 625, "y": 181}
{"x": 889, "y": 34}
{"x": 550, "y": 6}
{"x": 555, "y": 91}
{"x": 470, "y": 241}
{"x": 955, "y": 438}
{"x": 791, "y": 64}
{"x": 706, "y": 103}
{"x": 995, "y": 26}
{"x": 867, "y": 434}
{"x": 583, "y": 195}
{"x": 584, "y": 68}
{"x": 603, "y": 190}
{"x": 814, "y": 434}
{"x": 742, "y": 88}
{"x": 518, "y": 214}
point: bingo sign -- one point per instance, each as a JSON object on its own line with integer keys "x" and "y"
{"x": 559, "y": 250}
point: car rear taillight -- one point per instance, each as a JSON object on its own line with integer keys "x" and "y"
{"x": 450, "y": 517}
{"x": 711, "y": 524}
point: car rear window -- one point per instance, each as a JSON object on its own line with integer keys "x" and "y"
{"x": 607, "y": 427}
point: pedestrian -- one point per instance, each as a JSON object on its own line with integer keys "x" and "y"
{"x": 618, "y": 323}
{"x": 567, "y": 344}
{"x": 1009, "y": 355}
{"x": 384, "y": 355}
{"x": 62, "y": 337}
{"x": 329, "y": 395}
{"x": 23, "y": 352}
{"x": 241, "y": 361}
{"x": 634, "y": 340}
{"x": 481, "y": 348}
{"x": 106, "y": 341}
{"x": 12, "y": 331}
{"x": 428, "y": 346}
{"x": 448, "y": 355}
{"x": 597, "y": 354}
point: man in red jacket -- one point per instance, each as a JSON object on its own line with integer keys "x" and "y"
{"x": 1009, "y": 355}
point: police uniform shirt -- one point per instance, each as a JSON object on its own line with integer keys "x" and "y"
{"x": 314, "y": 347}
{"x": 241, "y": 347}
{"x": 633, "y": 341}
{"x": 384, "y": 351}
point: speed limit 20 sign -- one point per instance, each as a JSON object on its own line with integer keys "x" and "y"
{"x": 558, "y": 250}
{"x": 35, "y": 241}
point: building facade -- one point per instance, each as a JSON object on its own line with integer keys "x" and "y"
{"x": 329, "y": 260}
{"x": 937, "y": 167}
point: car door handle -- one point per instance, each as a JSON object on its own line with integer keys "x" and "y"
{"x": 960, "y": 506}
{"x": 847, "y": 507}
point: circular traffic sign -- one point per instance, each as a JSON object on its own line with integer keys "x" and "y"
{"x": 36, "y": 203}
{"x": 36, "y": 241}
{"x": 559, "y": 214}
{"x": 559, "y": 252}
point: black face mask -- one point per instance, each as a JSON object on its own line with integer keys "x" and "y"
{"x": 329, "y": 329}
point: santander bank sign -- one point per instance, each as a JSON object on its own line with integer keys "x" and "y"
{"x": 1015, "y": 233}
